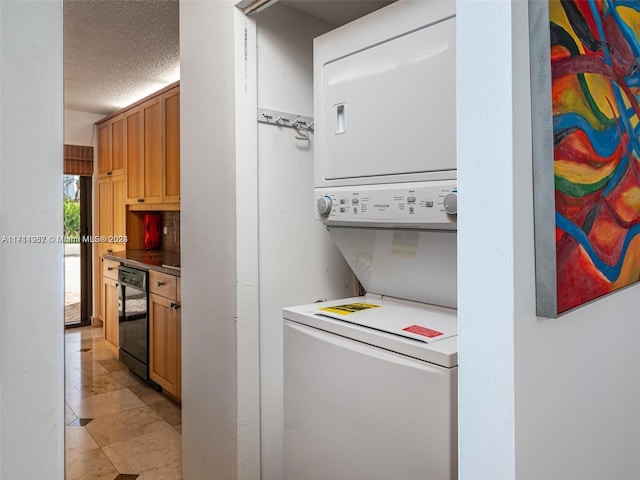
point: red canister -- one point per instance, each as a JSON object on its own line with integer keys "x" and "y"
{"x": 152, "y": 226}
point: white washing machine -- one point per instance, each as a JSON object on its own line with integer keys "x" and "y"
{"x": 370, "y": 383}
{"x": 362, "y": 403}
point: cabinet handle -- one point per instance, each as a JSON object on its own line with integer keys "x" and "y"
{"x": 110, "y": 268}
{"x": 161, "y": 284}
{"x": 110, "y": 251}
{"x": 141, "y": 200}
{"x": 175, "y": 305}
{"x": 109, "y": 173}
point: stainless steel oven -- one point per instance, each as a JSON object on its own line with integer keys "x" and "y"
{"x": 133, "y": 320}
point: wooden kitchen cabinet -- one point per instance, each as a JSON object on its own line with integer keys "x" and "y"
{"x": 111, "y": 209}
{"x": 143, "y": 142}
{"x": 108, "y": 270}
{"x": 111, "y": 226}
{"x": 138, "y": 169}
{"x": 171, "y": 182}
{"x": 111, "y": 152}
{"x": 145, "y": 152}
{"x": 110, "y": 295}
{"x": 165, "y": 352}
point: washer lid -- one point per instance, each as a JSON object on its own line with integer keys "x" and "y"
{"x": 418, "y": 324}
{"x": 427, "y": 333}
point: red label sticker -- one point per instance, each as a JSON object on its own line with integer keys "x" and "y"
{"x": 424, "y": 331}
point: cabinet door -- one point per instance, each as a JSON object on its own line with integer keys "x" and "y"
{"x": 99, "y": 297}
{"x": 153, "y": 150}
{"x": 164, "y": 343}
{"x": 104, "y": 149}
{"x": 171, "y": 99}
{"x": 111, "y": 332}
{"x": 105, "y": 207}
{"x": 119, "y": 212}
{"x": 117, "y": 145}
{"x": 134, "y": 155}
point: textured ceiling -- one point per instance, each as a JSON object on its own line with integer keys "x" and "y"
{"x": 118, "y": 51}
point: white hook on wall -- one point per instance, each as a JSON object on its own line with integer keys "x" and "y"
{"x": 300, "y": 123}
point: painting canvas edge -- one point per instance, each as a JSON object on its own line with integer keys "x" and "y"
{"x": 542, "y": 151}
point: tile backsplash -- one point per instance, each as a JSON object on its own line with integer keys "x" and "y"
{"x": 170, "y": 241}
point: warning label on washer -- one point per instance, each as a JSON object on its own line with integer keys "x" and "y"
{"x": 348, "y": 308}
{"x": 424, "y": 331}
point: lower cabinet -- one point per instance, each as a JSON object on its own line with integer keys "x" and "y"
{"x": 110, "y": 305}
{"x": 164, "y": 337}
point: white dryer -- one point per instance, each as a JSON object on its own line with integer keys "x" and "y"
{"x": 370, "y": 383}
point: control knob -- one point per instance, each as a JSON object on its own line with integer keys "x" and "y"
{"x": 451, "y": 202}
{"x": 324, "y": 205}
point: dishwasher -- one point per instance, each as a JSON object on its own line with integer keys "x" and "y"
{"x": 133, "y": 320}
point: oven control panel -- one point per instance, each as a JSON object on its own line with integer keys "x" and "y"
{"x": 427, "y": 205}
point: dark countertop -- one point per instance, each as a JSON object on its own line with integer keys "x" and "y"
{"x": 148, "y": 259}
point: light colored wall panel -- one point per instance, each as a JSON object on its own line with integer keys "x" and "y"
{"x": 299, "y": 263}
{"x": 31, "y": 160}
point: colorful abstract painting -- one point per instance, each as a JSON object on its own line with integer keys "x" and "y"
{"x": 595, "y": 89}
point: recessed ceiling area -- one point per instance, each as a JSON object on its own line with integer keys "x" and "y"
{"x": 336, "y": 12}
{"x": 118, "y": 51}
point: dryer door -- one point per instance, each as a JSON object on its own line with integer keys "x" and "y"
{"x": 390, "y": 109}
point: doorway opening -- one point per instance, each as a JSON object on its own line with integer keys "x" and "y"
{"x": 77, "y": 228}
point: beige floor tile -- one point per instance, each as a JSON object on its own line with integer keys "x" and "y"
{"x": 78, "y": 440}
{"x": 99, "y": 350}
{"x": 93, "y": 369}
{"x": 135, "y": 434}
{"x": 83, "y": 333}
{"x": 69, "y": 416}
{"x": 168, "y": 410}
{"x": 168, "y": 472}
{"x": 153, "y": 450}
{"x": 102, "y": 404}
{"x": 146, "y": 393}
{"x": 87, "y": 385}
{"x": 72, "y": 361}
{"x": 92, "y": 465}
{"x": 113, "y": 364}
{"x": 86, "y": 352}
{"x": 126, "y": 425}
{"x": 127, "y": 379}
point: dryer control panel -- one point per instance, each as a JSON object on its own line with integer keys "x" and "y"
{"x": 424, "y": 205}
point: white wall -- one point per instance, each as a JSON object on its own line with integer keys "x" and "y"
{"x": 299, "y": 263}
{"x": 486, "y": 300}
{"x": 79, "y": 128}
{"x": 250, "y": 244}
{"x": 31, "y": 327}
{"x": 539, "y": 398}
{"x": 208, "y": 240}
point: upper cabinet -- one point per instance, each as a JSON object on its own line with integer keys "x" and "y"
{"x": 171, "y": 183}
{"x": 153, "y": 150}
{"x": 144, "y": 153}
{"x": 143, "y": 141}
{"x": 111, "y": 152}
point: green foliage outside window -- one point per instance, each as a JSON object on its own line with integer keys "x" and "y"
{"x": 71, "y": 218}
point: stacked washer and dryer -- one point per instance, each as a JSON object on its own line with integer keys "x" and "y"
{"x": 370, "y": 388}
